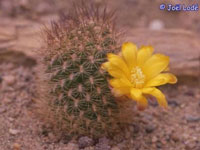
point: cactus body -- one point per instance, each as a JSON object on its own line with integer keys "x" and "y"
{"x": 77, "y": 91}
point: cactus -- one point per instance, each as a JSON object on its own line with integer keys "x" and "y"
{"x": 73, "y": 87}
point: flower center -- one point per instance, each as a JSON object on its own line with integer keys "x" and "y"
{"x": 137, "y": 77}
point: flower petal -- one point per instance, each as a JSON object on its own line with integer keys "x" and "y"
{"x": 136, "y": 94}
{"x": 118, "y": 92}
{"x": 167, "y": 69}
{"x": 129, "y": 52}
{"x": 144, "y": 54}
{"x": 154, "y": 65}
{"x": 113, "y": 70}
{"x": 123, "y": 82}
{"x": 118, "y": 62}
{"x": 157, "y": 94}
{"x": 161, "y": 79}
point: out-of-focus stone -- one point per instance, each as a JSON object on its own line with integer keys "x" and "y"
{"x": 2, "y": 110}
{"x": 154, "y": 139}
{"x": 16, "y": 146}
{"x": 13, "y": 131}
{"x": 72, "y": 146}
{"x": 175, "y": 137}
{"x": 173, "y": 103}
{"x": 150, "y": 128}
{"x": 103, "y": 144}
{"x": 191, "y": 118}
{"x": 85, "y": 142}
{"x": 115, "y": 148}
{"x": 10, "y": 80}
{"x": 156, "y": 25}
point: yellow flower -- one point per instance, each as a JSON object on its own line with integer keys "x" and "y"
{"x": 137, "y": 72}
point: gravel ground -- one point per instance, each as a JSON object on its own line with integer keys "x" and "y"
{"x": 177, "y": 128}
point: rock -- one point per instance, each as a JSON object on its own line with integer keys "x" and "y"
{"x": 156, "y": 25}
{"x": 52, "y": 137}
{"x": 103, "y": 144}
{"x": 122, "y": 145}
{"x": 115, "y": 148}
{"x": 89, "y": 148}
{"x": 72, "y": 146}
{"x": 13, "y": 131}
{"x": 191, "y": 118}
{"x": 127, "y": 134}
{"x": 154, "y": 139}
{"x": 7, "y": 100}
{"x": 103, "y": 140}
{"x": 150, "y": 128}
{"x": 153, "y": 103}
{"x": 189, "y": 93}
{"x": 10, "y": 80}
{"x": 136, "y": 129}
{"x": 11, "y": 119}
{"x": 85, "y": 142}
{"x": 173, "y": 103}
{"x": 175, "y": 137}
{"x": 1, "y": 79}
{"x": 159, "y": 145}
{"x": 16, "y": 146}
{"x": 190, "y": 146}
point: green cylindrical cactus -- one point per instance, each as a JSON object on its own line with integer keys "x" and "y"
{"x": 73, "y": 88}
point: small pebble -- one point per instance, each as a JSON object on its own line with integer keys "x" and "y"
{"x": 103, "y": 144}
{"x": 190, "y": 146}
{"x": 150, "y": 128}
{"x": 154, "y": 139}
{"x": 85, "y": 142}
{"x": 2, "y": 110}
{"x": 115, "y": 148}
{"x": 189, "y": 93}
{"x": 7, "y": 100}
{"x": 173, "y": 103}
{"x": 16, "y": 146}
{"x": 72, "y": 146}
{"x": 127, "y": 135}
{"x": 11, "y": 119}
{"x": 191, "y": 118}
{"x": 52, "y": 137}
{"x": 122, "y": 145}
{"x": 159, "y": 145}
{"x": 13, "y": 131}
{"x": 175, "y": 137}
{"x": 89, "y": 148}
{"x": 153, "y": 103}
{"x": 103, "y": 140}
{"x": 136, "y": 129}
{"x": 156, "y": 25}
{"x": 1, "y": 79}
{"x": 10, "y": 80}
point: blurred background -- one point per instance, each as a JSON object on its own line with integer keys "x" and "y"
{"x": 131, "y": 13}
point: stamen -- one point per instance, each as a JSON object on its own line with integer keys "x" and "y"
{"x": 137, "y": 77}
